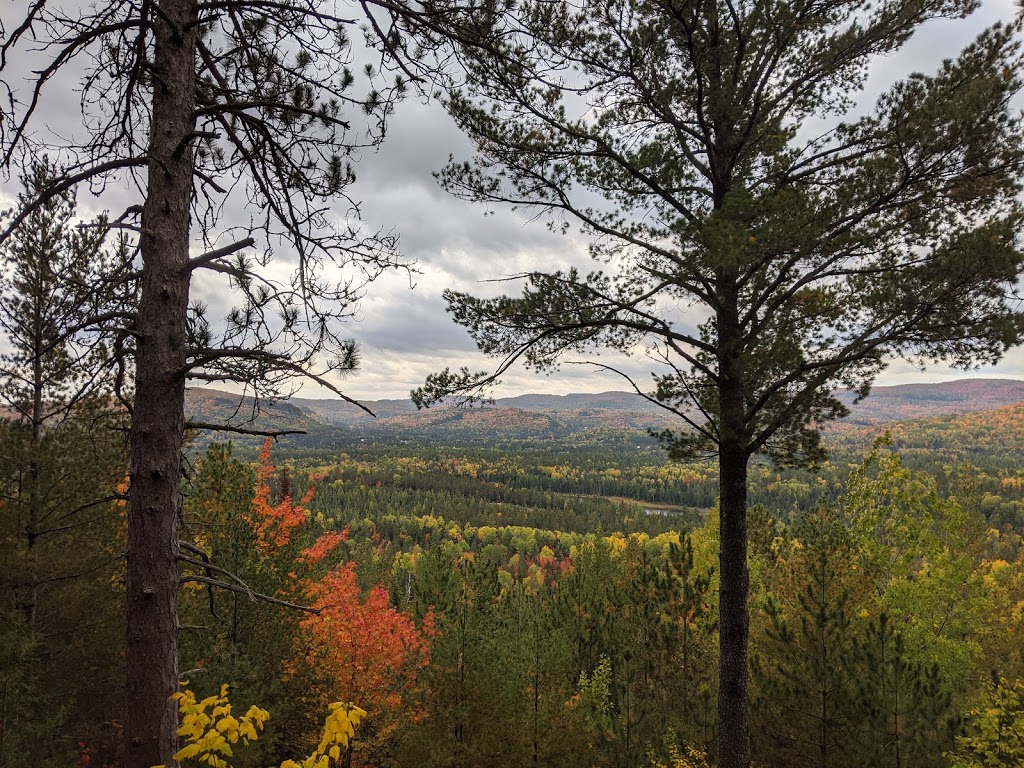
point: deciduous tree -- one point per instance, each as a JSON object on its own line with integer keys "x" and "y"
{"x": 370, "y": 652}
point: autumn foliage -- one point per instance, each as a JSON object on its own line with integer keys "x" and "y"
{"x": 368, "y": 651}
{"x": 274, "y": 524}
{"x": 371, "y": 652}
{"x": 356, "y": 647}
{"x": 210, "y": 731}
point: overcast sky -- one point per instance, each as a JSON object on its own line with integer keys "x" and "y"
{"x": 406, "y": 334}
{"x": 404, "y": 331}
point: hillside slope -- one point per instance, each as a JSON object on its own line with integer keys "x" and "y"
{"x": 955, "y": 437}
{"x": 915, "y": 401}
{"x": 538, "y": 417}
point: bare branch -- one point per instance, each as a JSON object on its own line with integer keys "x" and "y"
{"x": 204, "y": 259}
{"x": 62, "y": 185}
{"x": 254, "y": 596}
{"x": 242, "y": 430}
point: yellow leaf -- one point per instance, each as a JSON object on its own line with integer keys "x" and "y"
{"x": 190, "y": 750}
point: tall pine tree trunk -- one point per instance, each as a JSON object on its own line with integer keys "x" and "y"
{"x": 734, "y": 619}
{"x": 158, "y": 420}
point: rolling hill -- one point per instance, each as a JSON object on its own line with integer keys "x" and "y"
{"x": 915, "y": 401}
{"x": 537, "y": 417}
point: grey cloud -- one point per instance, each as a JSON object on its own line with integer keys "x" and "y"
{"x": 410, "y": 321}
{"x": 406, "y": 334}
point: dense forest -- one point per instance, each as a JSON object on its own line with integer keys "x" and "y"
{"x": 550, "y": 606}
{"x": 753, "y": 208}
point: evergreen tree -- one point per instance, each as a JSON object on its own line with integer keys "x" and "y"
{"x": 801, "y": 664}
{"x": 463, "y": 706}
{"x": 227, "y": 636}
{"x": 686, "y": 634}
{"x": 711, "y": 151}
{"x": 191, "y": 106}
{"x": 540, "y": 725}
{"x": 902, "y": 703}
{"x": 61, "y": 462}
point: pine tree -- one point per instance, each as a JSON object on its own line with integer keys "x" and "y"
{"x": 755, "y": 233}
{"x": 901, "y": 702}
{"x": 801, "y": 665}
{"x": 61, "y": 462}
{"x": 686, "y": 634}
{"x": 189, "y": 107}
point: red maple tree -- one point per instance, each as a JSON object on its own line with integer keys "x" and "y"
{"x": 370, "y": 651}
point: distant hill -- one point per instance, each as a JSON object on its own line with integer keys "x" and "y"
{"x": 956, "y": 437}
{"x": 903, "y": 401}
{"x": 539, "y": 416}
{"x": 341, "y": 413}
{"x": 915, "y": 401}
{"x": 215, "y": 407}
{"x": 611, "y": 401}
{"x": 491, "y": 420}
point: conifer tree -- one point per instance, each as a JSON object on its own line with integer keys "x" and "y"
{"x": 801, "y": 664}
{"x": 686, "y": 635}
{"x": 757, "y": 235}
{"x": 199, "y": 110}
{"x": 55, "y": 374}
{"x": 462, "y": 709}
{"x": 61, "y": 461}
{"x": 902, "y": 703}
{"x": 539, "y": 723}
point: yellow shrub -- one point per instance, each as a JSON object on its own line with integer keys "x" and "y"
{"x": 209, "y": 730}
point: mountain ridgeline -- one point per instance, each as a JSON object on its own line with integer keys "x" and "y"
{"x": 610, "y": 417}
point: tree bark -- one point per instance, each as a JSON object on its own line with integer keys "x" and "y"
{"x": 734, "y": 618}
{"x": 158, "y": 419}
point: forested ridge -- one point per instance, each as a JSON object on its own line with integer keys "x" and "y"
{"x": 555, "y": 605}
{"x": 566, "y": 414}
